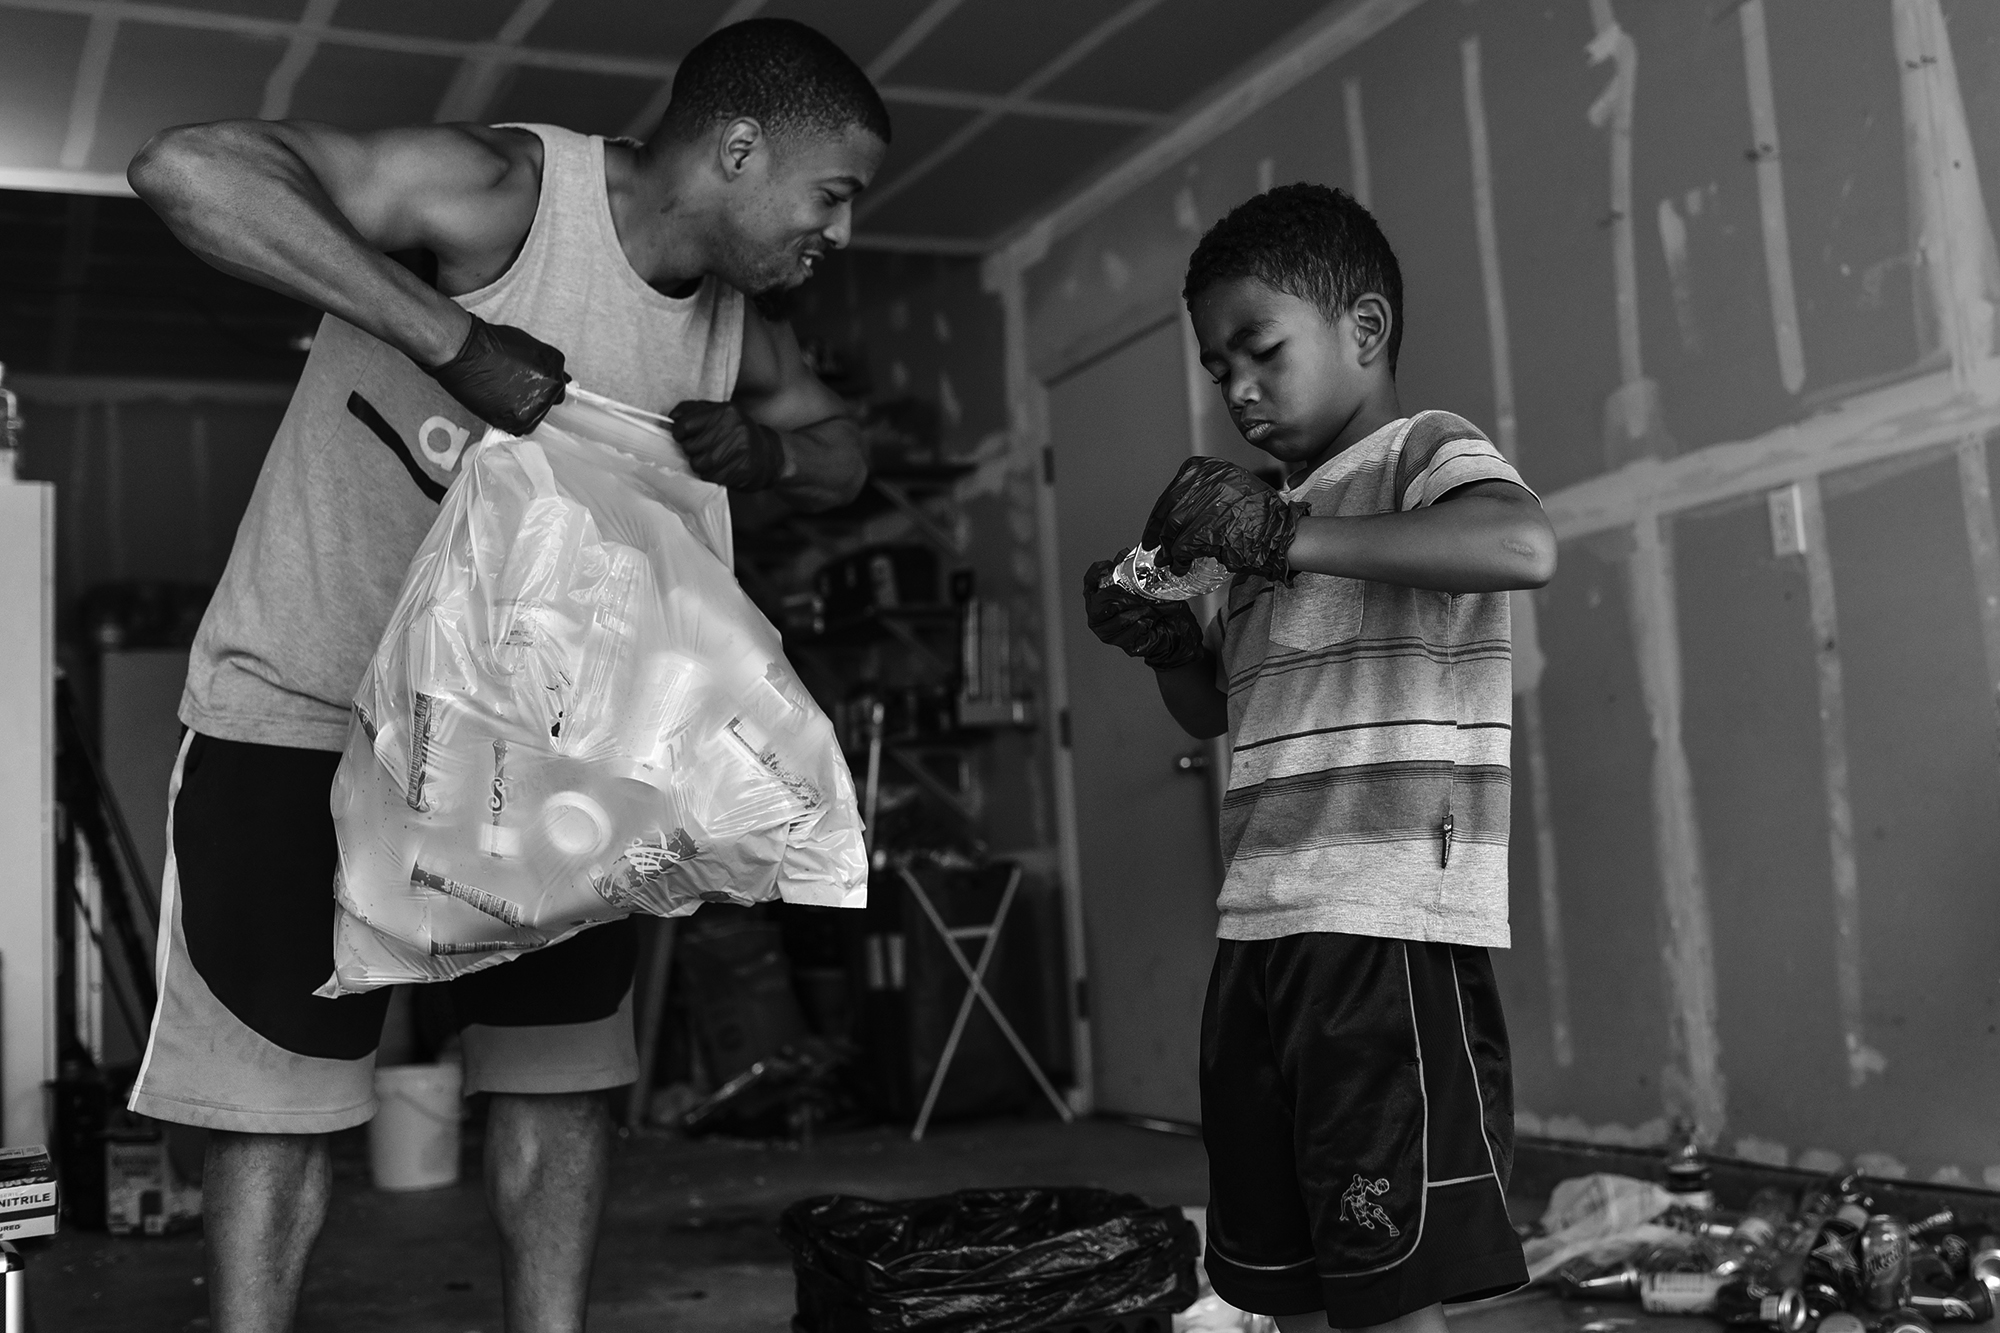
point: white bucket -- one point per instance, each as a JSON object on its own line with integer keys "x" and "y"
{"x": 413, "y": 1139}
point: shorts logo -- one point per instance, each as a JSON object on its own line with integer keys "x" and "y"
{"x": 1357, "y": 1204}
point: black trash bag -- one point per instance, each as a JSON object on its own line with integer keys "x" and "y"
{"x": 985, "y": 1261}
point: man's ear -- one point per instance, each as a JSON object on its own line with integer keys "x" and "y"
{"x": 1373, "y": 321}
{"x": 738, "y": 145}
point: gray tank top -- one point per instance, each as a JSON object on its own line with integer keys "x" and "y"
{"x": 369, "y": 443}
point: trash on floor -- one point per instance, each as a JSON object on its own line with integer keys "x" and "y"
{"x": 1828, "y": 1257}
{"x": 987, "y": 1261}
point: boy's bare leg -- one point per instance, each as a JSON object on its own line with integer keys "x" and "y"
{"x": 548, "y": 1157}
{"x": 1430, "y": 1319}
{"x": 264, "y": 1199}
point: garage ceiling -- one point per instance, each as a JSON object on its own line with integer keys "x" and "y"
{"x": 1000, "y": 106}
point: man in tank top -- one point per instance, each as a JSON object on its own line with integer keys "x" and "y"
{"x": 467, "y": 272}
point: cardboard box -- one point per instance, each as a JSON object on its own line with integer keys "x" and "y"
{"x": 29, "y": 1198}
{"x": 142, "y": 1192}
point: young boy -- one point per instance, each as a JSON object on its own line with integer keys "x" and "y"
{"x": 1356, "y": 1096}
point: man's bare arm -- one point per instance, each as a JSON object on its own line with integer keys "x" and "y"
{"x": 823, "y": 465}
{"x": 312, "y": 211}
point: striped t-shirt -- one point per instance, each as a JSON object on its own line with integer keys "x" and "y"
{"x": 1367, "y": 719}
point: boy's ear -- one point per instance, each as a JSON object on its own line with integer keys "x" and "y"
{"x": 1373, "y": 321}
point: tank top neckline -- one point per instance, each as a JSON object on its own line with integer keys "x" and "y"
{"x": 599, "y": 208}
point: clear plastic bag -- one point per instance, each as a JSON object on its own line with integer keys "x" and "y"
{"x": 574, "y": 714}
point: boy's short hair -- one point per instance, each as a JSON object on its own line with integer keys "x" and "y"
{"x": 784, "y": 75}
{"x": 1308, "y": 241}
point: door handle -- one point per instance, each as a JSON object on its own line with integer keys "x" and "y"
{"x": 1194, "y": 761}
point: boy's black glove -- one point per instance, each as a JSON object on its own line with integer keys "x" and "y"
{"x": 726, "y": 447}
{"x": 1215, "y": 508}
{"x": 505, "y": 376}
{"x": 1163, "y": 635}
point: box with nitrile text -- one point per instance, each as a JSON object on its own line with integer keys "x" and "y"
{"x": 29, "y": 1196}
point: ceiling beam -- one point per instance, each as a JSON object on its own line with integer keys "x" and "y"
{"x": 87, "y": 95}
{"x": 299, "y": 52}
{"x": 737, "y": 12}
{"x": 906, "y": 41}
{"x": 54, "y": 180}
{"x": 966, "y": 246}
{"x": 584, "y": 62}
{"x": 1130, "y": 13}
{"x": 248, "y": 25}
{"x": 1034, "y": 106}
{"x": 90, "y": 390}
{"x": 477, "y": 80}
{"x": 1288, "y": 62}
{"x": 647, "y": 118}
{"x": 114, "y": 184}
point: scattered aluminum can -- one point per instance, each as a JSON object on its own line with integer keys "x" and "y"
{"x": 1955, "y": 1250}
{"x": 1905, "y": 1321}
{"x": 1984, "y": 1261}
{"x": 1885, "y": 1263}
{"x": 1970, "y": 1304}
{"x": 1943, "y": 1220}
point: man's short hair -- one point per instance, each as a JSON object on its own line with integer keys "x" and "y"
{"x": 786, "y": 76}
{"x": 1308, "y": 241}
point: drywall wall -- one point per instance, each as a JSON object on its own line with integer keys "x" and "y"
{"x": 1715, "y": 275}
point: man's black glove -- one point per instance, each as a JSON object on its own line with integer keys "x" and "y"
{"x": 1163, "y": 635}
{"x": 1215, "y": 508}
{"x": 504, "y": 376}
{"x": 728, "y": 448}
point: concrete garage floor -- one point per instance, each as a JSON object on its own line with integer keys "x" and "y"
{"x": 689, "y": 1244}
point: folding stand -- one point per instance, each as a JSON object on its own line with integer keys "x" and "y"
{"x": 975, "y": 989}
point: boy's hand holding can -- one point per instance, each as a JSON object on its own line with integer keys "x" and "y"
{"x": 1216, "y": 508}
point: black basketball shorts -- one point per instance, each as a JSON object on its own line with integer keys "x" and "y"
{"x": 240, "y": 1042}
{"x": 1357, "y": 1105}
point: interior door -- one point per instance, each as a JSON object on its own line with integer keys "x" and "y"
{"x": 1145, "y": 823}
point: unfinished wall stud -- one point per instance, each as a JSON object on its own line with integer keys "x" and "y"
{"x": 1771, "y": 196}
{"x": 1357, "y": 141}
{"x": 1862, "y": 1059}
{"x": 1528, "y": 658}
{"x": 1788, "y": 521}
{"x": 1695, "y": 1087}
{"x": 1954, "y": 238}
{"x": 1976, "y": 487}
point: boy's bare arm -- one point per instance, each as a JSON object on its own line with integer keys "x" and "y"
{"x": 1191, "y": 695}
{"x": 1490, "y": 536}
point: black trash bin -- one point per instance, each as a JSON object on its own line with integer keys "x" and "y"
{"x": 990, "y": 1261}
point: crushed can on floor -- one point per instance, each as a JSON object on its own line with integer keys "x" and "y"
{"x": 986, "y": 1261}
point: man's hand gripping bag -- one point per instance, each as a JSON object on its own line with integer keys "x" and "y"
{"x": 575, "y": 714}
